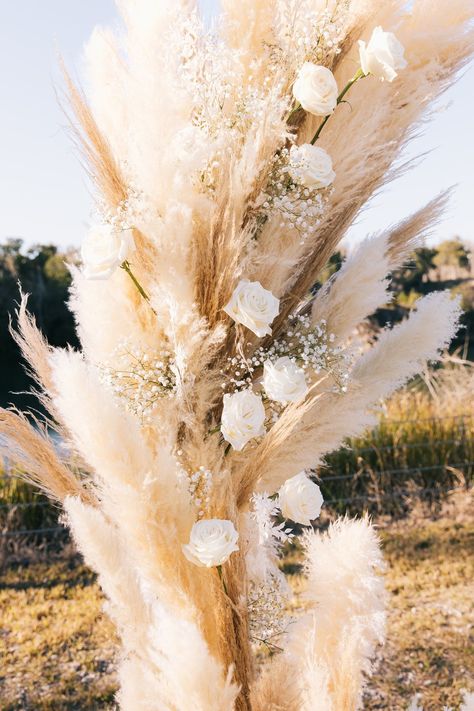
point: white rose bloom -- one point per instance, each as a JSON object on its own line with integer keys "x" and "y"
{"x": 253, "y": 306}
{"x": 284, "y": 381}
{"x": 315, "y": 89}
{"x": 190, "y": 148}
{"x": 243, "y": 418}
{"x": 211, "y": 542}
{"x": 311, "y": 166}
{"x": 382, "y": 56}
{"x": 300, "y": 499}
{"x": 103, "y": 250}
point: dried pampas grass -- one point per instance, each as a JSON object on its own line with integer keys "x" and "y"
{"x": 360, "y": 287}
{"x": 330, "y": 650}
{"x": 189, "y": 134}
{"x": 306, "y": 432}
{"x": 438, "y": 42}
{"x": 36, "y": 459}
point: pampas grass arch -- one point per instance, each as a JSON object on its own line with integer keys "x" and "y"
{"x": 211, "y": 371}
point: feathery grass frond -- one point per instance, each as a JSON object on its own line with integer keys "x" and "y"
{"x": 35, "y": 459}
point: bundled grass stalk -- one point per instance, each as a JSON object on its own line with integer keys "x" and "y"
{"x": 36, "y": 460}
{"x": 347, "y": 299}
{"x": 210, "y": 378}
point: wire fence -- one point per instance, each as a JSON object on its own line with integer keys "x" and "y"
{"x": 385, "y": 472}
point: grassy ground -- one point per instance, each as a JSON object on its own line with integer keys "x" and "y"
{"x": 58, "y": 648}
{"x": 56, "y": 644}
{"x": 429, "y": 646}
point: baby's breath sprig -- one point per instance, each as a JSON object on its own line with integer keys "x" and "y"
{"x": 140, "y": 378}
{"x": 199, "y": 484}
{"x": 298, "y": 206}
{"x": 267, "y": 602}
{"x": 310, "y": 346}
{"x": 308, "y": 34}
{"x": 269, "y": 593}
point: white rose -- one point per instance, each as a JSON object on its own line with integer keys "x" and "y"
{"x": 382, "y": 56}
{"x": 190, "y": 148}
{"x": 243, "y": 418}
{"x": 103, "y": 250}
{"x": 300, "y": 499}
{"x": 284, "y": 381}
{"x": 315, "y": 89}
{"x": 211, "y": 542}
{"x": 253, "y": 306}
{"x": 311, "y": 166}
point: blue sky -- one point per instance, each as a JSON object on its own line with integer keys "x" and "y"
{"x": 44, "y": 193}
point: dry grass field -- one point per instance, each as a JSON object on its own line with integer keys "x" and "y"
{"x": 430, "y": 578}
{"x": 58, "y": 648}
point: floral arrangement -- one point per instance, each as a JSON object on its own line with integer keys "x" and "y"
{"x": 215, "y": 373}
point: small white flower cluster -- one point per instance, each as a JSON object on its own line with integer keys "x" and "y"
{"x": 270, "y": 534}
{"x": 307, "y": 31}
{"x": 141, "y": 378}
{"x": 330, "y": 33}
{"x": 311, "y": 348}
{"x": 239, "y": 373}
{"x": 300, "y": 206}
{"x": 208, "y": 71}
{"x": 267, "y": 601}
{"x": 212, "y": 74}
{"x": 300, "y": 500}
{"x": 127, "y": 213}
{"x": 200, "y": 485}
{"x": 225, "y": 106}
{"x": 305, "y": 346}
{"x": 268, "y": 591}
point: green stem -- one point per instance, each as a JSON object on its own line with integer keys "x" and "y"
{"x": 269, "y": 645}
{"x": 358, "y": 75}
{"x": 219, "y": 570}
{"x": 126, "y": 267}
{"x": 293, "y": 111}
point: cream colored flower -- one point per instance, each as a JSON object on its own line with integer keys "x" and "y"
{"x": 211, "y": 542}
{"x": 243, "y": 418}
{"x": 311, "y": 166}
{"x": 300, "y": 499}
{"x": 315, "y": 89}
{"x": 284, "y": 381}
{"x": 103, "y": 250}
{"x": 253, "y": 306}
{"x": 382, "y": 56}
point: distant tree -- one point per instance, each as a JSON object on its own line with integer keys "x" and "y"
{"x": 413, "y": 275}
{"x": 465, "y": 337}
{"x": 333, "y": 265}
{"x": 433, "y": 269}
{"x": 41, "y": 272}
{"x": 452, "y": 253}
